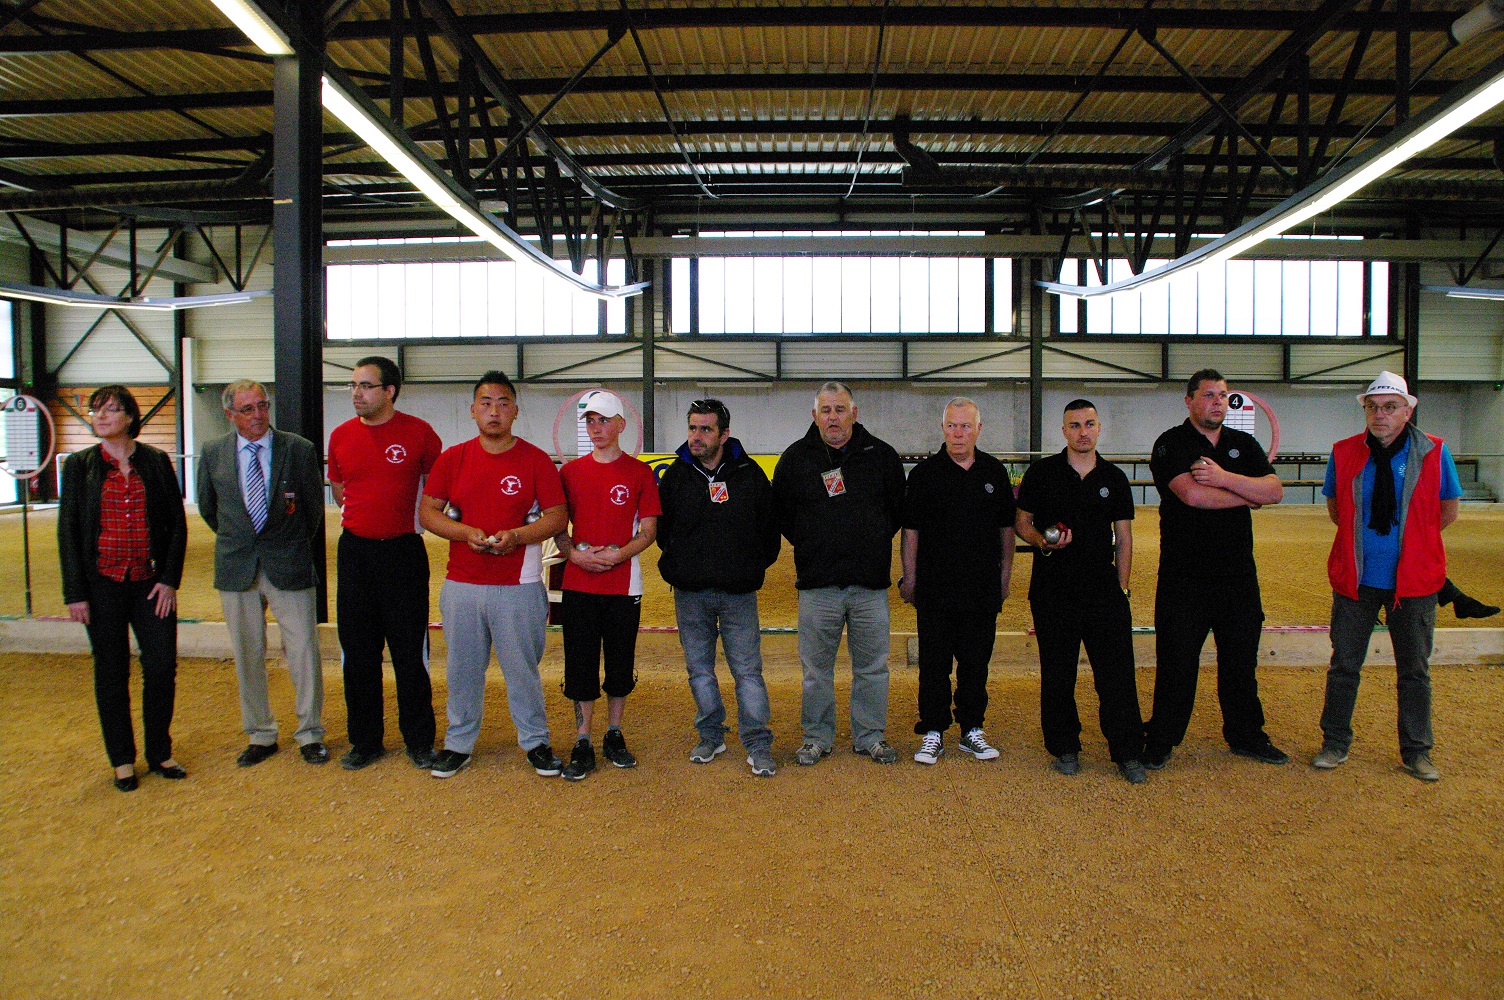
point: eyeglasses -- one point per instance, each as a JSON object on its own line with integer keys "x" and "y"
{"x": 364, "y": 386}
{"x": 264, "y": 406}
{"x": 714, "y": 406}
{"x": 105, "y": 411}
{"x": 1388, "y": 409}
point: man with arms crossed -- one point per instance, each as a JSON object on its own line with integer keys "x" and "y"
{"x": 496, "y": 498}
{"x": 261, "y": 491}
{"x": 376, "y": 461}
{"x": 838, "y": 494}
{"x": 1209, "y": 478}
{"x": 1079, "y": 593}
{"x": 957, "y": 555}
{"x": 718, "y": 538}
{"x": 613, "y": 507}
{"x": 1390, "y": 491}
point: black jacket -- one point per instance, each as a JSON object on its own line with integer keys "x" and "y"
{"x": 709, "y": 545}
{"x": 78, "y": 517}
{"x": 844, "y": 540}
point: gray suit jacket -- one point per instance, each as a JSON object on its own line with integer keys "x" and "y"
{"x": 284, "y": 547}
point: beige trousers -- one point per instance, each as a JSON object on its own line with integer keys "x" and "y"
{"x": 297, "y": 616}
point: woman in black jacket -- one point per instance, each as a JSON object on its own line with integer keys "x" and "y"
{"x": 121, "y": 535}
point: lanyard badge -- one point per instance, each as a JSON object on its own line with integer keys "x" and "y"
{"x": 835, "y": 483}
{"x": 718, "y": 492}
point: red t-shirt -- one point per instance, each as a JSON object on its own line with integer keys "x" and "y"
{"x": 606, "y": 500}
{"x": 494, "y": 493}
{"x": 380, "y": 468}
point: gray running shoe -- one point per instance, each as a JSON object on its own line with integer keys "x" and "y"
{"x": 810, "y": 753}
{"x": 706, "y": 750}
{"x": 1420, "y": 765}
{"x": 1068, "y": 763}
{"x": 1133, "y": 772}
{"x": 880, "y": 752}
{"x": 1328, "y": 758}
{"x": 760, "y": 761}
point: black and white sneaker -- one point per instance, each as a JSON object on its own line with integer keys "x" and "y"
{"x": 581, "y": 761}
{"x": 449, "y": 763}
{"x": 974, "y": 742}
{"x": 544, "y": 762}
{"x": 614, "y": 749}
{"x": 931, "y": 748}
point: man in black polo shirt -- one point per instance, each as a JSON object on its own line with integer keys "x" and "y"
{"x": 957, "y": 561}
{"x": 1209, "y": 478}
{"x": 1078, "y": 593}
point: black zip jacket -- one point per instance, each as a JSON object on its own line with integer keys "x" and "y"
{"x": 709, "y": 545}
{"x": 78, "y": 517}
{"x": 844, "y": 540}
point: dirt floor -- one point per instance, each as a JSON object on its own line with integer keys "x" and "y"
{"x": 1219, "y": 878}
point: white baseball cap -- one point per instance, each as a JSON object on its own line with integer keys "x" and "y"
{"x": 1388, "y": 384}
{"x": 605, "y": 403}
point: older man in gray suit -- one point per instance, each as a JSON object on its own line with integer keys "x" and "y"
{"x": 262, "y": 492}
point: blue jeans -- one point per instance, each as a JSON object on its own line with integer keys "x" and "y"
{"x": 1412, "y": 627}
{"x": 823, "y": 612}
{"x": 702, "y": 615}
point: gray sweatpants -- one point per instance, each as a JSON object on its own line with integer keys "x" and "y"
{"x": 512, "y": 621}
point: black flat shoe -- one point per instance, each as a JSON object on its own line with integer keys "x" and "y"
{"x": 173, "y": 772}
{"x": 255, "y": 754}
{"x": 127, "y": 784}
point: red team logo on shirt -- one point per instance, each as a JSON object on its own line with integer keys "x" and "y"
{"x": 620, "y": 495}
{"x": 396, "y": 454}
{"x": 511, "y": 486}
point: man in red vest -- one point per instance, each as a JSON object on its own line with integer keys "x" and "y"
{"x": 1390, "y": 491}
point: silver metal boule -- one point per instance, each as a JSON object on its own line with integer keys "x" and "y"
{"x": 1051, "y": 536}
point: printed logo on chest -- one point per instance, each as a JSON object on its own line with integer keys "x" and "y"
{"x": 396, "y": 454}
{"x": 511, "y": 486}
{"x": 620, "y": 495}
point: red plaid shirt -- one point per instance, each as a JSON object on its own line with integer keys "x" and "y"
{"x": 124, "y": 540}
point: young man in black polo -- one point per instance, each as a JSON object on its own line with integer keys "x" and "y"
{"x": 1078, "y": 593}
{"x": 957, "y": 555}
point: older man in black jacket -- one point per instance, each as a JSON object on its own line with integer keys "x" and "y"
{"x": 718, "y": 538}
{"x": 838, "y": 492}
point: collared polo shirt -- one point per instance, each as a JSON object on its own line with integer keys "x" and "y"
{"x": 1053, "y": 493}
{"x": 1207, "y": 544}
{"x": 959, "y": 514}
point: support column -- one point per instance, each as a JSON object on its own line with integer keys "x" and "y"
{"x": 649, "y": 362}
{"x": 1036, "y": 355}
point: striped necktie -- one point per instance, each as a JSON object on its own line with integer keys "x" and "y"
{"x": 255, "y": 487}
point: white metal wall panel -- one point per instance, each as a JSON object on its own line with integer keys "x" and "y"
{"x": 232, "y": 341}
{"x": 1236, "y": 361}
{"x": 1356, "y": 362}
{"x": 1099, "y": 361}
{"x": 111, "y": 353}
{"x": 585, "y": 362}
{"x": 842, "y": 360}
{"x": 1460, "y": 339}
{"x": 970, "y": 360}
{"x": 730, "y": 361}
{"x": 456, "y": 362}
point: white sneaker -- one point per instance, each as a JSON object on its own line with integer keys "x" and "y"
{"x": 931, "y": 748}
{"x": 975, "y": 743}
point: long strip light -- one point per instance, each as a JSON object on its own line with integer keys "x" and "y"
{"x": 1466, "y": 292}
{"x": 257, "y": 26}
{"x": 88, "y": 300}
{"x": 1467, "y": 101}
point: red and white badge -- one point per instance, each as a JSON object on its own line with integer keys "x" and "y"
{"x": 835, "y": 483}
{"x": 718, "y": 492}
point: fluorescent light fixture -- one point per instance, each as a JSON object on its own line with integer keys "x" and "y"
{"x": 88, "y": 300}
{"x": 257, "y": 26}
{"x": 349, "y": 104}
{"x": 1444, "y": 116}
{"x": 1466, "y": 292}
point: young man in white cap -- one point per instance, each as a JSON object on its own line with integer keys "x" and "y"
{"x": 1390, "y": 491}
{"x": 613, "y": 513}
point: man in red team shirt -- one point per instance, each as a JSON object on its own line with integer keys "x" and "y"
{"x": 613, "y": 504}
{"x": 496, "y": 498}
{"x": 377, "y": 459}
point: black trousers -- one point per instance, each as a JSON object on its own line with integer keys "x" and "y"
{"x": 115, "y": 609}
{"x": 383, "y": 602}
{"x": 1185, "y": 612}
{"x": 1103, "y": 623}
{"x": 596, "y": 623}
{"x": 963, "y": 636}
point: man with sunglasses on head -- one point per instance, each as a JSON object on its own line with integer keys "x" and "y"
{"x": 718, "y": 538}
{"x": 1390, "y": 491}
{"x": 377, "y": 460}
{"x": 261, "y": 491}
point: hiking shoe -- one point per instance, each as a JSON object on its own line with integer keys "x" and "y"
{"x": 1067, "y": 763}
{"x": 1329, "y": 757}
{"x": 1265, "y": 752}
{"x": 706, "y": 750}
{"x": 614, "y": 749}
{"x": 761, "y": 762}
{"x": 880, "y": 752}
{"x": 423, "y": 760}
{"x": 931, "y": 748}
{"x": 356, "y": 758}
{"x": 581, "y": 761}
{"x": 1470, "y": 607}
{"x": 448, "y": 763}
{"x": 1133, "y": 772}
{"x": 810, "y": 753}
{"x": 543, "y": 760}
{"x": 1156, "y": 760}
{"x": 975, "y": 743}
{"x": 1420, "y": 765}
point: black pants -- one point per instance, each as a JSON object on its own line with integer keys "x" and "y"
{"x": 1103, "y": 623}
{"x": 383, "y": 602}
{"x": 115, "y": 608}
{"x": 596, "y": 623}
{"x": 1185, "y": 611}
{"x": 963, "y": 636}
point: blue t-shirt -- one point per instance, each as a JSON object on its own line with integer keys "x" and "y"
{"x": 1381, "y": 553}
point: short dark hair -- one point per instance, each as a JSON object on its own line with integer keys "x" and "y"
{"x": 122, "y": 398}
{"x": 1204, "y": 375}
{"x": 390, "y": 374}
{"x": 494, "y": 377}
{"x": 1079, "y": 404}
{"x": 714, "y": 406}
